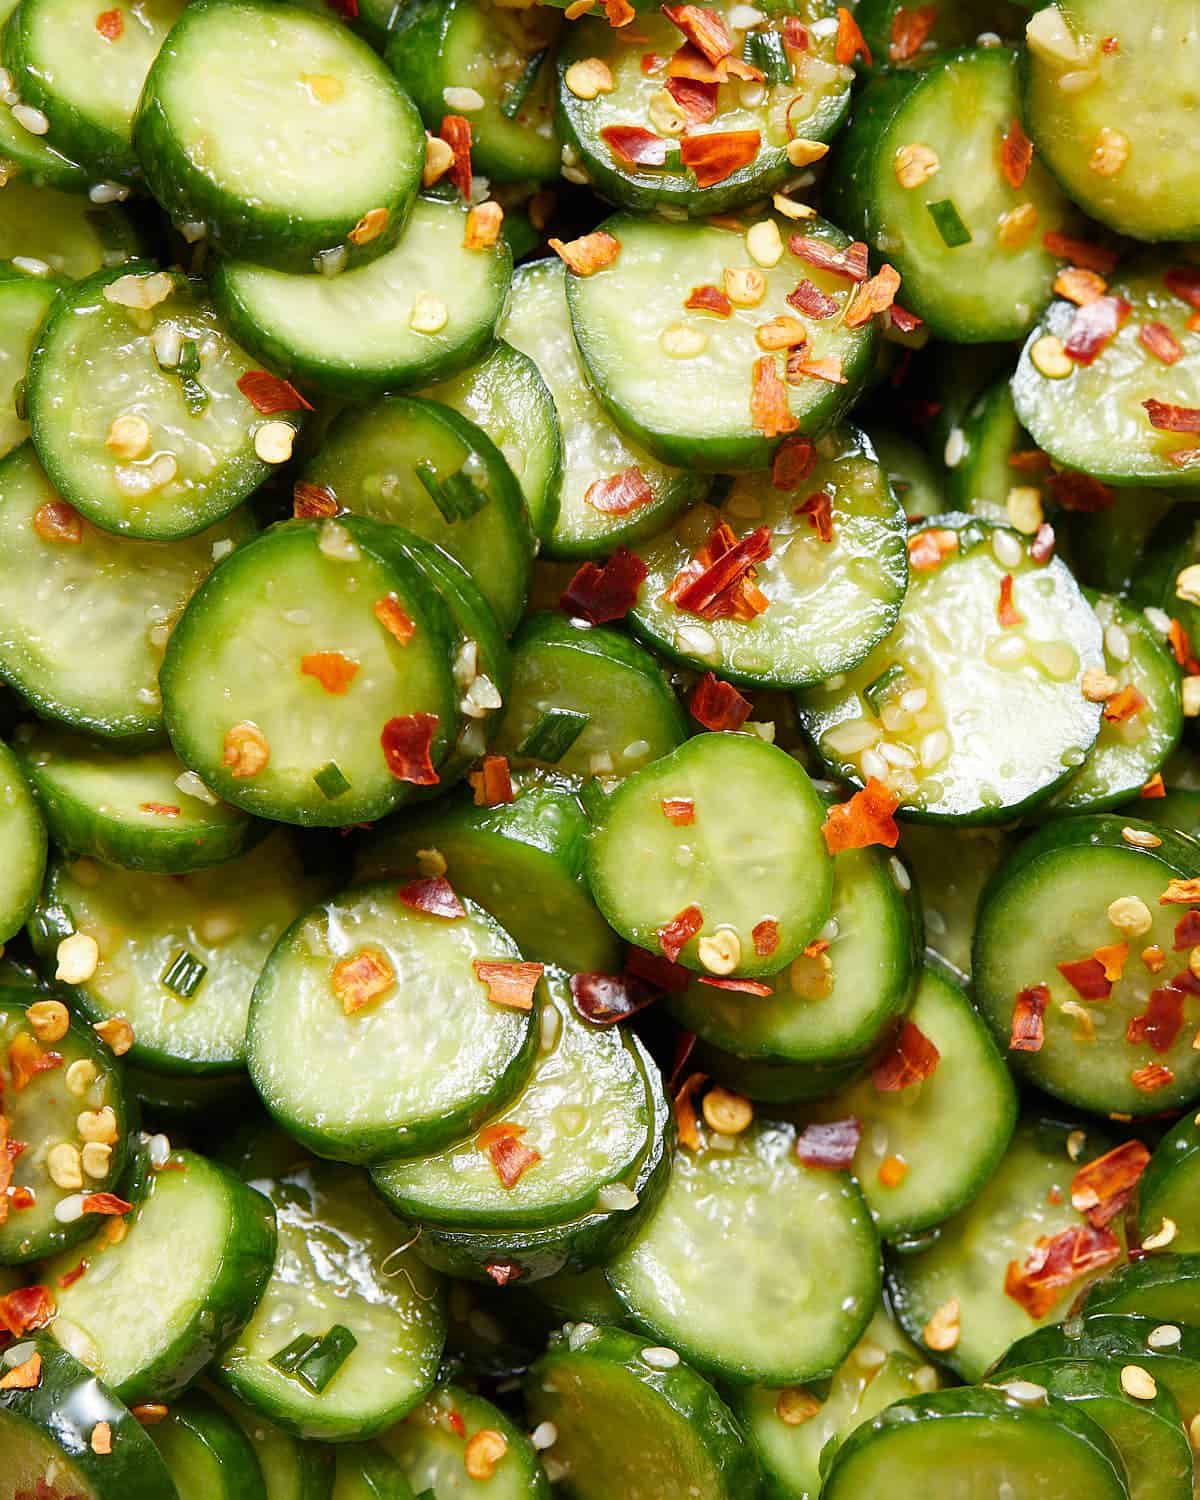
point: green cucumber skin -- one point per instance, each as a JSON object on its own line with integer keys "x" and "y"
{"x": 1177, "y": 1153}
{"x": 1163, "y": 1286}
{"x": 313, "y": 1463}
{"x": 225, "y": 1443}
{"x": 67, "y": 1404}
{"x": 13, "y": 770}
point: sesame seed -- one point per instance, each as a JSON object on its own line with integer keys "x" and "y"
{"x": 273, "y": 442}
{"x": 659, "y": 1358}
{"x": 1165, "y": 1336}
{"x": 464, "y": 100}
{"x": 30, "y": 119}
{"x": 1139, "y": 1383}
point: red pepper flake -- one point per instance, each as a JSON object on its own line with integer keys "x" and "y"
{"x": 1007, "y": 612}
{"x": 604, "y": 999}
{"x": 850, "y": 40}
{"x": 652, "y": 64}
{"x": 695, "y": 97}
{"x": 1094, "y": 327}
{"x": 873, "y": 296}
{"x": 827, "y": 368}
{"x": 1180, "y": 892}
{"x": 1158, "y": 340}
{"x": 1079, "y": 286}
{"x": 1087, "y": 978}
{"x": 22, "y": 1198}
{"x": 1057, "y": 1261}
{"x": 765, "y": 936}
{"x": 1154, "y": 788}
{"x": 107, "y": 1204}
{"x": 769, "y": 409}
{"x": 830, "y": 1146}
{"x": 703, "y": 28}
{"x": 673, "y": 936}
{"x": 912, "y": 1059}
{"x": 69, "y": 1278}
{"x": 492, "y": 783}
{"x": 391, "y": 615}
{"x": 589, "y": 253}
{"x": 910, "y": 29}
{"x": 1110, "y": 44}
{"x": 709, "y": 299}
{"x": 686, "y": 1123}
{"x": 1029, "y": 461}
{"x": 160, "y": 809}
{"x": 510, "y": 1156}
{"x": 406, "y": 742}
{"x": 635, "y": 145}
{"x": 927, "y": 550}
{"x": 268, "y": 394}
{"x": 1161, "y": 1022}
{"x": 1112, "y": 958}
{"x": 26, "y": 1308}
{"x": 1181, "y": 647}
{"x": 332, "y": 670}
{"x": 600, "y": 595}
{"x": 903, "y": 321}
{"x": 866, "y": 819}
{"x": 1168, "y": 418}
{"x": 1154, "y": 958}
{"x": 794, "y": 461}
{"x": 110, "y": 24}
{"x": 681, "y": 811}
{"x": 1029, "y": 1007}
{"x": 1124, "y": 705}
{"x": 501, "y": 1272}
{"x": 26, "y": 1060}
{"x": 310, "y": 501}
{"x": 436, "y": 897}
{"x": 718, "y": 583}
{"x": 795, "y": 34}
{"x": 1103, "y": 1187}
{"x": 1151, "y": 1078}
{"x": 347, "y": 9}
{"x": 1016, "y": 153}
{"x": 1187, "y": 931}
{"x": 1080, "y": 252}
{"x": 657, "y": 971}
{"x": 740, "y": 986}
{"x": 619, "y": 13}
{"x": 456, "y": 132}
{"x": 361, "y": 977}
{"x": 810, "y": 300}
{"x": 455, "y": 1422}
{"x": 717, "y": 155}
{"x": 819, "y": 510}
{"x": 510, "y": 982}
{"x": 1184, "y": 458}
{"x": 56, "y": 521}
{"x": 1184, "y": 282}
{"x": 718, "y": 705}
{"x": 619, "y": 494}
{"x": 852, "y": 262}
{"x": 1080, "y": 492}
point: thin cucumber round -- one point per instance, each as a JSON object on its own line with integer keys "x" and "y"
{"x": 281, "y": 133}
{"x": 190, "y": 1099}
{"x": 1108, "y": 548}
{"x": 353, "y": 334}
{"x": 1160, "y": 1285}
{"x": 135, "y": 445}
{"x": 952, "y": 866}
{"x": 1170, "y": 1187}
{"x": 960, "y": 661}
{"x": 770, "y": 1081}
{"x": 916, "y": 481}
{"x": 364, "y": 1471}
{"x": 426, "y": 1060}
{"x": 1171, "y": 546}
{"x": 67, "y": 232}
{"x": 899, "y": 35}
{"x": 537, "y": 322}
{"x": 48, "y": 173}
{"x": 143, "y": 810}
{"x": 792, "y": 1247}
{"x": 432, "y": 1451}
{"x": 634, "y": 1422}
{"x": 340, "y": 1265}
{"x": 646, "y": 871}
{"x": 153, "y": 1307}
{"x": 23, "y": 842}
{"x": 1048, "y": 906}
{"x": 833, "y": 593}
{"x": 206, "y": 1452}
{"x": 24, "y": 302}
{"x": 983, "y": 476}
{"x": 291, "y": 1469}
{"x": 681, "y": 382}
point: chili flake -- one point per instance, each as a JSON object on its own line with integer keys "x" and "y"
{"x": 1112, "y": 958}
{"x": 1081, "y": 492}
{"x": 587, "y": 254}
{"x": 510, "y": 983}
{"x": 709, "y": 299}
{"x": 604, "y": 999}
{"x": 769, "y": 408}
{"x": 406, "y": 741}
{"x": 312, "y": 500}
{"x": 1158, "y": 340}
{"x": 360, "y": 978}
{"x": 492, "y": 783}
{"x": 873, "y": 296}
{"x": 680, "y": 811}
{"x": 1103, "y": 1187}
{"x": 620, "y": 494}
{"x": 26, "y": 1060}
{"x": 1007, "y": 612}
{"x": 1124, "y": 705}
{"x": 1080, "y": 286}
{"x": 1151, "y": 1078}
{"x": 268, "y": 394}
{"x": 695, "y": 97}
{"x": 1028, "y": 1031}
{"x": 718, "y": 154}
{"x": 866, "y": 819}
{"x": 1154, "y": 788}
{"x": 819, "y": 510}
{"x": 1057, "y": 1261}
{"x": 110, "y": 24}
{"x": 929, "y": 549}
{"x": 601, "y": 594}
{"x": 910, "y": 29}
{"x": 635, "y": 145}
{"x": 794, "y": 461}
{"x": 685, "y": 1112}
{"x": 510, "y": 1157}
{"x": 852, "y": 262}
{"x": 809, "y": 299}
{"x": 673, "y": 936}
{"x": 56, "y": 521}
{"x": 1080, "y": 252}
{"x": 827, "y": 368}
{"x": 106, "y": 1204}
{"x": 912, "y": 1059}
{"x": 1094, "y": 327}
{"x": 718, "y": 705}
{"x": 1087, "y": 978}
{"x": 740, "y": 986}
{"x": 484, "y": 222}
{"x": 1166, "y": 417}
{"x": 1016, "y": 154}
{"x": 1161, "y": 1022}
{"x": 765, "y": 936}
{"x": 718, "y": 583}
{"x": 830, "y": 1146}
{"x": 456, "y": 132}
{"x": 334, "y": 671}
{"x": 850, "y": 41}
{"x": 25, "y": 1309}
{"x": 435, "y": 896}
{"x": 703, "y": 28}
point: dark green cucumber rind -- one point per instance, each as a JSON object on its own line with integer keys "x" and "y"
{"x": 1108, "y": 549}
{"x": 220, "y": 1438}
{"x": 67, "y": 1404}
{"x": 1173, "y": 544}
{"x": 38, "y": 163}
{"x": 82, "y": 827}
{"x": 1161, "y": 1285}
{"x": 917, "y": 482}
{"x": 980, "y": 481}
{"x": 291, "y": 1469}
{"x": 258, "y": 231}
{"x": 20, "y": 888}
{"x": 186, "y": 1098}
{"x": 690, "y": 1401}
{"x": 955, "y": 24}
{"x": 769, "y": 1081}
{"x": 1170, "y": 1185}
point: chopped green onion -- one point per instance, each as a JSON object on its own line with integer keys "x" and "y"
{"x": 20, "y": 405}
{"x": 183, "y": 975}
{"x": 331, "y": 780}
{"x": 949, "y": 224}
{"x": 458, "y": 497}
{"x": 287, "y": 1361}
{"x": 187, "y": 369}
{"x": 768, "y": 54}
{"x": 877, "y": 691}
{"x": 315, "y": 1361}
{"x": 553, "y": 734}
{"x": 518, "y": 89}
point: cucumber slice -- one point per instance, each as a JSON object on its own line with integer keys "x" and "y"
{"x": 967, "y": 244}
{"x": 957, "y": 657}
{"x": 1172, "y": 545}
{"x": 191, "y": 457}
{"x": 825, "y": 1015}
{"x": 366, "y": 1472}
{"x": 1093, "y": 418}
{"x": 792, "y": 1245}
{"x": 952, "y": 866}
{"x": 1170, "y": 1186}
{"x": 695, "y": 409}
{"x": 33, "y": 157}
{"x": 969, "y": 1098}
{"x": 830, "y": 601}
{"x": 635, "y": 1426}
{"x": 291, "y": 1470}
{"x": 138, "y": 810}
{"x": 1027, "y": 1199}
{"x": 522, "y": 861}
{"x": 46, "y": 1434}
{"x": 83, "y": 625}
{"x": 206, "y": 1452}
{"x": 24, "y": 302}
{"x": 503, "y": 54}
{"x": 179, "y": 954}
{"x": 1048, "y": 905}
{"x": 772, "y": 1082}
{"x": 505, "y": 395}
{"x": 916, "y": 481}
{"x": 344, "y": 143}
{"x": 72, "y": 235}
{"x": 628, "y": 711}
{"x": 1142, "y": 87}
{"x": 84, "y": 83}
{"x": 645, "y": 871}
{"x": 807, "y": 77}
{"x": 433, "y": 1453}
{"x": 424, "y": 1065}
{"x": 1108, "y": 548}
{"x": 981, "y": 1442}
{"x": 1179, "y": 808}
{"x": 982, "y": 477}
{"x": 191, "y": 1099}
{"x": 153, "y": 1307}
{"x": 1164, "y": 1286}
{"x": 307, "y": 591}
{"x": 23, "y": 842}
{"x": 1128, "y": 752}
{"x": 352, "y": 334}
{"x": 424, "y": 466}
{"x": 46, "y": 1113}
{"x": 902, "y": 35}
{"x": 537, "y": 322}
{"x": 337, "y": 1264}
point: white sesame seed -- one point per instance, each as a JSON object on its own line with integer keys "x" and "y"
{"x": 956, "y": 448}
{"x": 159, "y": 1150}
{"x": 463, "y": 99}
{"x": 1165, "y": 1336}
{"x": 660, "y": 1358}
{"x": 336, "y": 542}
{"x": 221, "y": 549}
{"x": 191, "y": 786}
{"x": 30, "y": 119}
{"x": 1139, "y": 1383}
{"x": 544, "y": 1436}
{"x": 1009, "y": 552}
{"x": 1116, "y": 643}
{"x": 615, "y": 1197}
{"x": 331, "y": 262}
{"x": 1025, "y": 1392}
{"x": 1157, "y": 619}
{"x": 899, "y": 874}
{"x": 69, "y": 1210}
{"x": 31, "y": 265}
{"x": 107, "y": 192}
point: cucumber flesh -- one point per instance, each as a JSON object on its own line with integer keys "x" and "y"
{"x": 207, "y": 1453}
{"x": 23, "y": 842}
{"x": 1170, "y": 1186}
{"x": 952, "y": 866}
{"x": 432, "y": 1452}
{"x": 24, "y": 302}
{"x": 70, "y": 234}
{"x": 291, "y": 1469}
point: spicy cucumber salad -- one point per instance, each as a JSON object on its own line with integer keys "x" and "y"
{"x": 599, "y": 752}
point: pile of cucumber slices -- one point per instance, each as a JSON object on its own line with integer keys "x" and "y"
{"x": 599, "y": 795}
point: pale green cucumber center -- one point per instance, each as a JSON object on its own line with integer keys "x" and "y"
{"x": 432, "y": 1454}
{"x": 32, "y": 1457}
{"x": 23, "y": 305}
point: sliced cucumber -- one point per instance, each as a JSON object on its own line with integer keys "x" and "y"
{"x": 24, "y": 302}
{"x": 132, "y": 445}
{"x": 632, "y": 1421}
{"x": 423, "y": 1065}
{"x": 832, "y": 597}
{"x": 694, "y": 408}
{"x": 190, "y": 1100}
{"x": 140, "y": 810}
{"x": 955, "y": 657}
{"x": 773, "y": 1082}
{"x": 645, "y": 871}
{"x": 206, "y": 1453}
{"x": 1163, "y": 1286}
{"x": 438, "y": 1459}
{"x": 1170, "y": 1186}
{"x": 537, "y": 322}
{"x": 83, "y": 624}
{"x": 23, "y": 842}
{"x": 952, "y": 866}
{"x": 366, "y": 1472}
{"x": 65, "y": 230}
{"x": 281, "y": 133}
{"x": 916, "y": 481}
{"x": 1108, "y": 548}
{"x": 341, "y": 1262}
{"x": 352, "y": 334}
{"x": 907, "y": 35}
{"x": 291, "y": 1469}
{"x": 982, "y": 478}
{"x": 155, "y": 1305}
